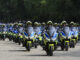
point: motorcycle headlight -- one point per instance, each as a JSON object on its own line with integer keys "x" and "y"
{"x": 75, "y": 36}
{"x": 54, "y": 39}
{"x": 4, "y": 32}
{"x": 64, "y": 37}
{"x": 26, "y": 37}
{"x": 21, "y": 36}
{"x": 69, "y": 37}
{"x": 31, "y": 37}
{"x": 48, "y": 39}
{"x": 36, "y": 36}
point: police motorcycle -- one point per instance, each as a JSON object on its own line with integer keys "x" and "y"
{"x": 15, "y": 36}
{"x": 8, "y": 35}
{"x": 65, "y": 37}
{"x": 15, "y": 33}
{"x": 38, "y": 37}
{"x": 0, "y": 31}
{"x": 20, "y": 34}
{"x": 10, "y": 32}
{"x": 7, "y": 31}
{"x": 65, "y": 41}
{"x": 74, "y": 38}
{"x": 29, "y": 36}
{"x": 79, "y": 30}
{"x": 43, "y": 29}
{"x": 4, "y": 32}
{"x": 20, "y": 38}
{"x": 50, "y": 41}
{"x": 28, "y": 41}
{"x": 57, "y": 27}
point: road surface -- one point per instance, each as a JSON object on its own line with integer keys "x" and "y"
{"x": 12, "y": 51}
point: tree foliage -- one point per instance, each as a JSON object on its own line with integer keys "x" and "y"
{"x": 39, "y": 10}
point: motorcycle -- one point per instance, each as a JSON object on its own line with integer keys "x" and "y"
{"x": 10, "y": 36}
{"x": 0, "y": 35}
{"x": 15, "y": 36}
{"x": 50, "y": 44}
{"x": 4, "y": 35}
{"x": 28, "y": 43}
{"x": 20, "y": 39}
{"x": 65, "y": 41}
{"x": 73, "y": 42}
{"x": 37, "y": 40}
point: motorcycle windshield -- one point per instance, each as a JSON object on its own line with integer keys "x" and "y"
{"x": 66, "y": 31}
{"x": 37, "y": 30}
{"x": 30, "y": 30}
{"x": 51, "y": 31}
{"x": 54, "y": 37}
{"x": 73, "y": 29}
{"x": 74, "y": 33}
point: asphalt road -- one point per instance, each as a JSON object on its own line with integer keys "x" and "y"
{"x": 12, "y": 51}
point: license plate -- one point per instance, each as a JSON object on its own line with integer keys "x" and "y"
{"x": 73, "y": 39}
{"x": 28, "y": 41}
{"x": 66, "y": 41}
{"x": 51, "y": 44}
